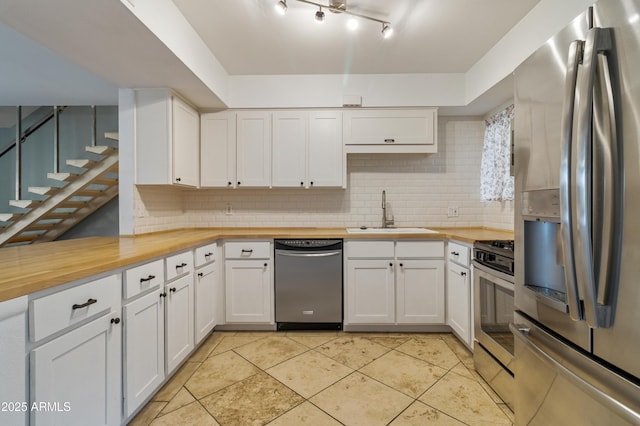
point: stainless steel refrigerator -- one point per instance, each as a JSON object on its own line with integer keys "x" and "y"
{"x": 577, "y": 246}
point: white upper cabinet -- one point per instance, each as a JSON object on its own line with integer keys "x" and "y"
{"x": 253, "y": 151}
{"x": 390, "y": 131}
{"x": 307, "y": 149}
{"x": 290, "y": 134}
{"x": 327, "y": 163}
{"x": 218, "y": 150}
{"x": 167, "y": 139}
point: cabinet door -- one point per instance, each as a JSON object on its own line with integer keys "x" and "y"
{"x": 204, "y": 291}
{"x": 459, "y": 301}
{"x": 179, "y": 321}
{"x": 143, "y": 349}
{"x": 253, "y": 149}
{"x": 390, "y": 127}
{"x": 249, "y": 291}
{"x": 186, "y": 144}
{"x": 326, "y": 158}
{"x": 420, "y": 291}
{"x": 290, "y": 149}
{"x": 370, "y": 292}
{"x": 79, "y": 376}
{"x": 218, "y": 150}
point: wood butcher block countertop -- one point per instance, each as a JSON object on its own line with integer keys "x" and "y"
{"x": 32, "y": 268}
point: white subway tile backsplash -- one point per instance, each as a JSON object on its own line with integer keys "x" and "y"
{"x": 419, "y": 189}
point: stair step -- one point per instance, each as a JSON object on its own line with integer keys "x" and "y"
{"x": 90, "y": 193}
{"x": 112, "y": 135}
{"x": 43, "y": 190}
{"x": 81, "y": 163}
{"x": 105, "y": 181}
{"x": 72, "y": 204}
{"x": 57, "y": 215}
{"x": 62, "y": 177}
{"x": 100, "y": 150}
{"x": 24, "y": 204}
{"x": 23, "y": 238}
{"x": 7, "y": 217}
{"x": 42, "y": 226}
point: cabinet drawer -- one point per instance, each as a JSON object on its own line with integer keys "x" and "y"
{"x": 459, "y": 254}
{"x": 179, "y": 264}
{"x": 247, "y": 250}
{"x": 205, "y": 254}
{"x": 419, "y": 249}
{"x": 370, "y": 249}
{"x": 142, "y": 278}
{"x": 55, "y": 312}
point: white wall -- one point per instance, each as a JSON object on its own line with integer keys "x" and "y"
{"x": 419, "y": 190}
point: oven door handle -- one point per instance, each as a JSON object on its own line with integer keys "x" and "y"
{"x": 500, "y": 278}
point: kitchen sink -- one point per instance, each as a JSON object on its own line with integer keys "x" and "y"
{"x": 390, "y": 231}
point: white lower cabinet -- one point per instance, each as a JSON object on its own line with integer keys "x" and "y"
{"x": 248, "y": 273}
{"x": 370, "y": 291}
{"x": 179, "y": 340}
{"x": 420, "y": 291}
{"x": 143, "y": 348}
{"x": 205, "y": 301}
{"x": 76, "y": 377}
{"x": 249, "y": 291}
{"x": 460, "y": 292}
{"x": 384, "y": 288}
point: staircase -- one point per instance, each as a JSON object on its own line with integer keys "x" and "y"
{"x": 71, "y": 198}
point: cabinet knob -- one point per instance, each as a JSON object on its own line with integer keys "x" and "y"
{"x": 178, "y": 179}
{"x": 229, "y": 184}
{"x": 462, "y": 274}
{"x": 301, "y": 183}
{"x": 401, "y": 265}
{"x": 163, "y": 294}
{"x": 200, "y": 274}
{"x": 115, "y": 320}
{"x": 265, "y": 265}
{"x": 238, "y": 182}
{"x": 391, "y": 264}
{"x": 311, "y": 183}
{"x": 172, "y": 290}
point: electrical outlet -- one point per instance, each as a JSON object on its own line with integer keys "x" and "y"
{"x": 228, "y": 210}
{"x": 452, "y": 212}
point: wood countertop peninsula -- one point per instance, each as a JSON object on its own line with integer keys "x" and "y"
{"x": 32, "y": 268}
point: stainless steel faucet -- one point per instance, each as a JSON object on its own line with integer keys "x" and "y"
{"x": 386, "y": 223}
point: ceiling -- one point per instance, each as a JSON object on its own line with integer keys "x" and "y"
{"x": 430, "y": 36}
{"x": 72, "y": 51}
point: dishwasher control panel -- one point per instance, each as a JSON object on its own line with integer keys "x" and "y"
{"x": 308, "y": 244}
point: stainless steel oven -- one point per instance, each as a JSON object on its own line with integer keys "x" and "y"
{"x": 493, "y": 285}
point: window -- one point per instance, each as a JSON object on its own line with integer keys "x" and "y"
{"x": 496, "y": 182}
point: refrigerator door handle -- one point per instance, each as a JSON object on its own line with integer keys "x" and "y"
{"x": 525, "y": 335}
{"x": 567, "y": 184}
{"x": 599, "y": 40}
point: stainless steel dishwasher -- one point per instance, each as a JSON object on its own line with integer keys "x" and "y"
{"x": 308, "y": 284}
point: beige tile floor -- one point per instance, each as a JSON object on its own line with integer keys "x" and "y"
{"x": 326, "y": 378}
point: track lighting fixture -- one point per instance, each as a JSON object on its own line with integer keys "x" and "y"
{"x": 339, "y": 6}
{"x": 387, "y": 31}
{"x": 281, "y": 7}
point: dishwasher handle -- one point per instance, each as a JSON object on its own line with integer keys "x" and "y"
{"x": 307, "y": 254}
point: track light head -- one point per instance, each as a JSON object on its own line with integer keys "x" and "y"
{"x": 320, "y": 16}
{"x": 387, "y": 31}
{"x": 281, "y": 7}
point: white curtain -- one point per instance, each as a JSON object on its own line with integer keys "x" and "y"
{"x": 496, "y": 184}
